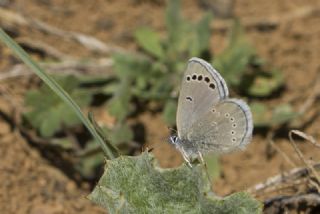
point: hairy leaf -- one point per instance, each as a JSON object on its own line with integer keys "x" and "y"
{"x": 137, "y": 185}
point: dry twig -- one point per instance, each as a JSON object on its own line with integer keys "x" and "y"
{"x": 42, "y": 47}
{"x": 283, "y": 154}
{"x": 280, "y": 204}
{"x": 290, "y": 178}
{"x": 13, "y": 20}
{"x": 278, "y": 180}
{"x": 315, "y": 93}
{"x": 308, "y": 165}
{"x": 75, "y": 67}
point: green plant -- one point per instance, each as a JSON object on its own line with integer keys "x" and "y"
{"x": 57, "y": 123}
{"x": 59, "y": 91}
{"x": 48, "y": 113}
{"x": 150, "y": 189}
{"x": 266, "y": 116}
{"x": 156, "y": 76}
{"x": 234, "y": 60}
{"x": 243, "y": 70}
{"x": 247, "y": 73}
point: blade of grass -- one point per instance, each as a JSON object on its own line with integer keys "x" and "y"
{"x": 100, "y": 131}
{"x": 55, "y": 87}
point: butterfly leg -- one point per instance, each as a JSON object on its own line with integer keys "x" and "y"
{"x": 185, "y": 157}
{"x": 201, "y": 158}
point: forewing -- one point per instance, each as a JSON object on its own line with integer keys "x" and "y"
{"x": 202, "y": 87}
{"x": 227, "y": 126}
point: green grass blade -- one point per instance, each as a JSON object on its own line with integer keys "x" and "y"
{"x": 55, "y": 87}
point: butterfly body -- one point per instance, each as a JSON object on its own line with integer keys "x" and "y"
{"x": 207, "y": 119}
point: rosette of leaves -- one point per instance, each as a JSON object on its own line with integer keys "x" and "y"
{"x": 138, "y": 185}
{"x": 155, "y": 76}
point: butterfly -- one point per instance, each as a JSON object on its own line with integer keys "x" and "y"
{"x": 208, "y": 121}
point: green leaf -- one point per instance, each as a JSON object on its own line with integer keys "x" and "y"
{"x": 264, "y": 116}
{"x": 265, "y": 85}
{"x": 173, "y": 21}
{"x": 134, "y": 75}
{"x": 130, "y": 65}
{"x": 48, "y": 113}
{"x": 169, "y": 112}
{"x": 233, "y": 61}
{"x": 119, "y": 106}
{"x": 88, "y": 165}
{"x": 202, "y": 36}
{"x": 137, "y": 185}
{"x": 213, "y": 166}
{"x": 149, "y": 40}
{"x": 260, "y": 114}
{"x": 180, "y": 33}
{"x": 282, "y": 114}
{"x": 121, "y": 133}
{"x": 110, "y": 88}
{"x": 64, "y": 143}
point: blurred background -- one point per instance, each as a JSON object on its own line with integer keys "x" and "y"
{"x": 123, "y": 61}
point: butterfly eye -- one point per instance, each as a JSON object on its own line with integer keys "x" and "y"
{"x": 213, "y": 86}
{"x": 194, "y": 77}
{"x": 227, "y": 115}
{"x": 188, "y": 78}
{"x": 207, "y": 79}
{"x": 174, "y": 139}
{"x": 234, "y": 125}
{"x": 200, "y": 77}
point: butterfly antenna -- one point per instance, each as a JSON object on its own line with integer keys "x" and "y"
{"x": 172, "y": 130}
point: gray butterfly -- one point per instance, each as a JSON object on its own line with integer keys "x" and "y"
{"x": 207, "y": 119}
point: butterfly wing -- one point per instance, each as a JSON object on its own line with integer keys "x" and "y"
{"x": 227, "y": 126}
{"x": 202, "y": 87}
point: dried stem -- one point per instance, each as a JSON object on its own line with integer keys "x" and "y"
{"x": 308, "y": 165}
{"x": 75, "y": 67}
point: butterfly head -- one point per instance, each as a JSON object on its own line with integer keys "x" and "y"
{"x": 179, "y": 143}
{"x": 174, "y": 140}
